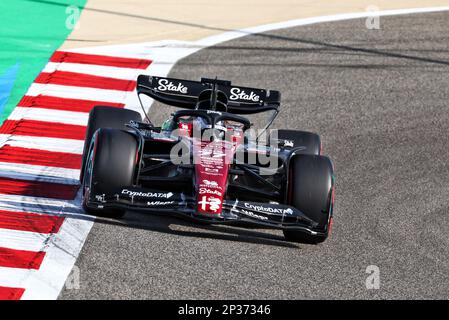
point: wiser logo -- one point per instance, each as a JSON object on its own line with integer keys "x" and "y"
{"x": 160, "y": 203}
{"x": 253, "y": 215}
{"x": 237, "y": 94}
{"x": 166, "y": 85}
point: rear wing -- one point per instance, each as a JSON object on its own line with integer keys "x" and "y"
{"x": 184, "y": 93}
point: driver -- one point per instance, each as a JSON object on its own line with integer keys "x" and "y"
{"x": 168, "y": 125}
{"x": 198, "y": 123}
{"x": 204, "y": 103}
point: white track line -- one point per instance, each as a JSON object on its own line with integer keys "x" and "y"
{"x": 212, "y": 40}
{"x": 166, "y": 53}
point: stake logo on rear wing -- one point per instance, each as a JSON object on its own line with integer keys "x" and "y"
{"x": 239, "y": 94}
{"x": 185, "y": 93}
{"x": 167, "y": 85}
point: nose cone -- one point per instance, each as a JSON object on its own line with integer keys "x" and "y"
{"x": 211, "y": 170}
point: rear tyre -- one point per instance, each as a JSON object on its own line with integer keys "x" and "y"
{"x": 109, "y": 167}
{"x": 305, "y": 142}
{"x": 310, "y": 190}
{"x": 105, "y": 117}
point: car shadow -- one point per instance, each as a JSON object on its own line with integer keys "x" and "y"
{"x": 170, "y": 224}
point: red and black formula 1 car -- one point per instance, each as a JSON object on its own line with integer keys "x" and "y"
{"x": 206, "y": 162}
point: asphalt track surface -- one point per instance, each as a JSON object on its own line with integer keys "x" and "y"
{"x": 380, "y": 100}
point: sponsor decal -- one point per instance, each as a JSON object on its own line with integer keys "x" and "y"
{"x": 217, "y": 163}
{"x": 211, "y": 184}
{"x": 166, "y": 85}
{"x": 147, "y": 194}
{"x": 210, "y": 154}
{"x": 237, "y": 94}
{"x": 289, "y": 143}
{"x": 208, "y": 191}
{"x": 214, "y": 170}
{"x": 210, "y": 174}
{"x": 159, "y": 203}
{"x": 209, "y": 203}
{"x": 100, "y": 197}
{"x": 260, "y": 208}
{"x": 253, "y": 215}
{"x": 213, "y": 111}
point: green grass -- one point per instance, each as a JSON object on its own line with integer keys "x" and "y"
{"x": 30, "y": 31}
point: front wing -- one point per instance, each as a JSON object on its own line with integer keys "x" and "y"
{"x": 268, "y": 215}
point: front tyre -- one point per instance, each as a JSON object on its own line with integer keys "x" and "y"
{"x": 110, "y": 165}
{"x": 310, "y": 190}
{"x": 105, "y": 117}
